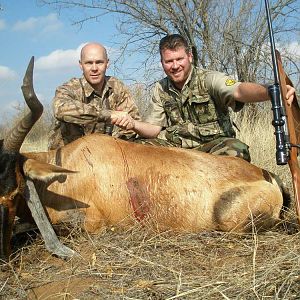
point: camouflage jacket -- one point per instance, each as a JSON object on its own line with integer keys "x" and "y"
{"x": 80, "y": 110}
{"x": 197, "y": 114}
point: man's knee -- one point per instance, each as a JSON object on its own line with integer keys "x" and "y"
{"x": 232, "y": 147}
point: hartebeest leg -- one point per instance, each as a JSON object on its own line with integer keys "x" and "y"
{"x": 52, "y": 243}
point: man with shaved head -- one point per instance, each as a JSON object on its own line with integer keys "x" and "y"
{"x": 85, "y": 105}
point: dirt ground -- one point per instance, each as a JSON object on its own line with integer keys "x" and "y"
{"x": 139, "y": 264}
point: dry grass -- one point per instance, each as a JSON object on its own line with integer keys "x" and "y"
{"x": 258, "y": 133}
{"x": 139, "y": 264}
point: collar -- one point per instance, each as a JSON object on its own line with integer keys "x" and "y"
{"x": 171, "y": 86}
{"x": 89, "y": 90}
{"x": 186, "y": 89}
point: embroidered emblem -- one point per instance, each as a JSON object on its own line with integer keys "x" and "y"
{"x": 230, "y": 82}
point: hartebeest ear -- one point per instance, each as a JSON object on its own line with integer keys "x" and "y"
{"x": 42, "y": 171}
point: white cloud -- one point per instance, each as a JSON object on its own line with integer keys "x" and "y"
{"x": 65, "y": 59}
{"x": 293, "y": 48}
{"x": 7, "y": 74}
{"x": 45, "y": 24}
{"x": 2, "y": 24}
{"x": 59, "y": 59}
{"x": 52, "y": 23}
{"x": 29, "y": 24}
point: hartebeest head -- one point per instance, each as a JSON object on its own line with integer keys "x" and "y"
{"x": 12, "y": 183}
{"x": 16, "y": 178}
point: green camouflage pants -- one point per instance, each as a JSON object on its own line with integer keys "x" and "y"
{"x": 220, "y": 146}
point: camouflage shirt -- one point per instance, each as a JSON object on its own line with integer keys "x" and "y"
{"x": 197, "y": 114}
{"x": 80, "y": 110}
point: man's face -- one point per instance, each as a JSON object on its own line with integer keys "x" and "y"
{"x": 94, "y": 63}
{"x": 177, "y": 64}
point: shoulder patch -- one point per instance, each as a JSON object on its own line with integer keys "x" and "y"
{"x": 230, "y": 82}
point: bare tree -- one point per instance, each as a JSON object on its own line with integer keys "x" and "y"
{"x": 228, "y": 35}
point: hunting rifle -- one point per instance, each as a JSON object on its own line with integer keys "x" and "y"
{"x": 286, "y": 118}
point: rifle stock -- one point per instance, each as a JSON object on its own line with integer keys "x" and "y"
{"x": 293, "y": 123}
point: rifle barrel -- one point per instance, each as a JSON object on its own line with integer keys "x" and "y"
{"x": 272, "y": 41}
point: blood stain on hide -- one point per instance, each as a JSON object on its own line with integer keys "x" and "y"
{"x": 139, "y": 198}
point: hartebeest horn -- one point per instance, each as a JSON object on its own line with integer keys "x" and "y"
{"x": 17, "y": 135}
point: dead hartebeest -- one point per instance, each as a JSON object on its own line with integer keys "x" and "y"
{"x": 99, "y": 180}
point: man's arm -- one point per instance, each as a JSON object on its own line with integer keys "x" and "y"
{"x": 68, "y": 108}
{"x": 124, "y": 100}
{"x": 123, "y": 105}
{"x": 252, "y": 92}
{"x": 144, "y": 129}
{"x": 125, "y": 121}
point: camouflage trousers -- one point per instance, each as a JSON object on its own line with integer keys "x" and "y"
{"x": 221, "y": 146}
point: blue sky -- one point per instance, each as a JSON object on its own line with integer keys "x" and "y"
{"x": 28, "y": 29}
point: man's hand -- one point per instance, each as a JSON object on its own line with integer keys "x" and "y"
{"x": 123, "y": 120}
{"x": 143, "y": 129}
{"x": 290, "y": 94}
